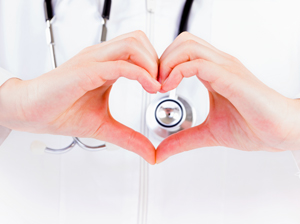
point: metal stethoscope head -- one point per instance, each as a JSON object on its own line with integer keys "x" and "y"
{"x": 173, "y": 113}
{"x": 170, "y": 114}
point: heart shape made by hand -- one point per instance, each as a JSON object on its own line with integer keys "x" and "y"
{"x": 244, "y": 113}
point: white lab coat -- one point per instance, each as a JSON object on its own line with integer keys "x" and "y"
{"x": 208, "y": 185}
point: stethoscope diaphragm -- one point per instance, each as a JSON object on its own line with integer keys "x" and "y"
{"x": 167, "y": 116}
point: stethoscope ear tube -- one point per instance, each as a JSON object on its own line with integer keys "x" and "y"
{"x": 105, "y": 17}
{"x": 185, "y": 16}
{"x": 40, "y": 147}
{"x": 48, "y": 10}
{"x": 106, "y": 9}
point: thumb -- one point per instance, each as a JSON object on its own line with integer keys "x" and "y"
{"x": 192, "y": 138}
{"x": 125, "y": 137}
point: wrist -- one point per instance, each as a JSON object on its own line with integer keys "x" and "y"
{"x": 8, "y": 102}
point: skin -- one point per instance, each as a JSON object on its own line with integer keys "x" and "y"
{"x": 245, "y": 114}
{"x": 77, "y": 94}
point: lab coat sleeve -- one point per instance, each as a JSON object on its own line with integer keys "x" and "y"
{"x": 296, "y": 153}
{"x": 4, "y": 76}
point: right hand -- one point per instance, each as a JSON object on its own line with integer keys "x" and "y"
{"x": 244, "y": 114}
{"x": 72, "y": 100}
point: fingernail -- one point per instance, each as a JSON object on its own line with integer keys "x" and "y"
{"x": 163, "y": 85}
{"x": 166, "y": 81}
{"x": 156, "y": 83}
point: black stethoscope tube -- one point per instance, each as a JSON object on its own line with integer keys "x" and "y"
{"x": 106, "y": 9}
{"x": 48, "y": 10}
{"x": 185, "y": 16}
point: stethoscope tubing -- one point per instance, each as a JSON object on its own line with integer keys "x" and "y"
{"x": 105, "y": 15}
{"x": 48, "y": 17}
{"x": 76, "y": 141}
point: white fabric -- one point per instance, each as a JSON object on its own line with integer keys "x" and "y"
{"x": 4, "y": 76}
{"x": 209, "y": 185}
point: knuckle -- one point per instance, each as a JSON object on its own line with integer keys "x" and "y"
{"x": 190, "y": 43}
{"x": 139, "y": 34}
{"x": 184, "y": 35}
{"x": 86, "y": 50}
{"x": 200, "y": 61}
{"x": 234, "y": 59}
{"x": 129, "y": 46}
{"x": 129, "y": 41}
{"x": 118, "y": 66}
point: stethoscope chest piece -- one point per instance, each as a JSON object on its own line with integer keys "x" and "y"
{"x": 167, "y": 116}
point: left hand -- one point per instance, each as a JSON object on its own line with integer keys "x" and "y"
{"x": 73, "y": 99}
{"x": 244, "y": 113}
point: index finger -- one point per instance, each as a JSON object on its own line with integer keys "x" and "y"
{"x": 188, "y": 36}
{"x": 138, "y": 35}
{"x": 128, "y": 49}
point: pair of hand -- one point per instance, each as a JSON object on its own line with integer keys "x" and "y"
{"x": 72, "y": 100}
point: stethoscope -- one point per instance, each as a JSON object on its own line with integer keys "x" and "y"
{"x": 172, "y": 113}
{"x": 165, "y": 116}
{"x": 40, "y": 147}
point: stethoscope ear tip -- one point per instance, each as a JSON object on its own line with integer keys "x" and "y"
{"x": 38, "y": 148}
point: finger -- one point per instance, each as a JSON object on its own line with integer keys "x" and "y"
{"x": 247, "y": 94}
{"x": 185, "y": 70}
{"x": 118, "y": 134}
{"x": 128, "y": 49}
{"x": 184, "y": 36}
{"x": 193, "y": 138}
{"x": 100, "y": 72}
{"x": 220, "y": 80}
{"x": 181, "y": 71}
{"x": 188, "y": 51}
{"x": 139, "y": 35}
